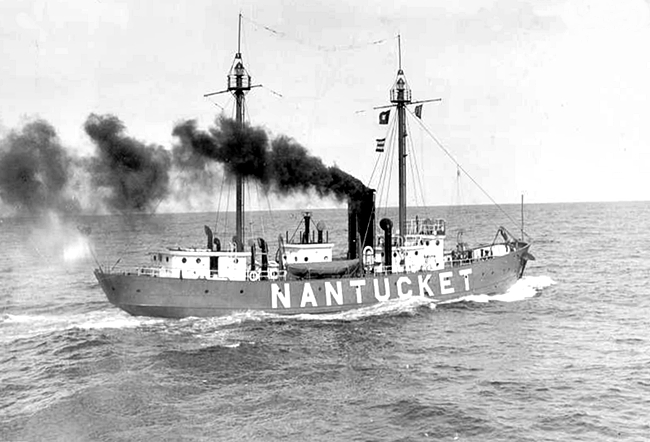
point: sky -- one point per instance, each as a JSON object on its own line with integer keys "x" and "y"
{"x": 548, "y": 99}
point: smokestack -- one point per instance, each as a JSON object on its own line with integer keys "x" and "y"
{"x": 361, "y": 221}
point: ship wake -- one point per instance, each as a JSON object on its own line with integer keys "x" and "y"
{"x": 525, "y": 288}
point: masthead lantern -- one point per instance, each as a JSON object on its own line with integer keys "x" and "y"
{"x": 400, "y": 92}
{"x": 238, "y": 78}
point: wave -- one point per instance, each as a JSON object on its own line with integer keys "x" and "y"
{"x": 526, "y": 287}
{"x": 394, "y": 307}
{"x": 24, "y": 326}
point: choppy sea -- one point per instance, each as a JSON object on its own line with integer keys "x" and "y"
{"x": 563, "y": 355}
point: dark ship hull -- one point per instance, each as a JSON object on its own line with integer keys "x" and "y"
{"x": 176, "y": 298}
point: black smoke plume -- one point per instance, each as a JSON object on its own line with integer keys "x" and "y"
{"x": 241, "y": 150}
{"x": 37, "y": 175}
{"x": 34, "y": 170}
{"x": 283, "y": 165}
{"x": 135, "y": 174}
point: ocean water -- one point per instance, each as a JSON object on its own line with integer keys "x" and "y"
{"x": 563, "y": 355}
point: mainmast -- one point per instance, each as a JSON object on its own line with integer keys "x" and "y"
{"x": 400, "y": 94}
{"x": 239, "y": 82}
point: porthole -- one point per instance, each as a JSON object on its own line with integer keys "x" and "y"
{"x": 235, "y": 260}
{"x": 416, "y": 253}
{"x": 394, "y": 255}
{"x": 295, "y": 258}
{"x": 427, "y": 242}
{"x": 306, "y": 259}
{"x": 198, "y": 260}
{"x": 184, "y": 260}
{"x": 206, "y": 291}
{"x": 437, "y": 242}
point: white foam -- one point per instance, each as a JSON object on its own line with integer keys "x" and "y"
{"x": 526, "y": 287}
{"x": 87, "y": 321}
{"x": 392, "y": 307}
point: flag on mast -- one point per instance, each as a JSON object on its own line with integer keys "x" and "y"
{"x": 381, "y": 142}
{"x": 418, "y": 111}
{"x": 383, "y": 117}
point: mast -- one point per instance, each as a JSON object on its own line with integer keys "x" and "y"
{"x": 400, "y": 94}
{"x": 239, "y": 82}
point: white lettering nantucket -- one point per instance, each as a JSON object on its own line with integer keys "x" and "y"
{"x": 400, "y": 287}
{"x": 276, "y": 294}
{"x": 445, "y": 283}
{"x": 332, "y": 293}
{"x": 423, "y": 283}
{"x": 308, "y": 296}
{"x": 378, "y": 296}
{"x": 465, "y": 274}
{"x": 357, "y": 284}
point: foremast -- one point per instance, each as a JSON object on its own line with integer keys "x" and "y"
{"x": 239, "y": 82}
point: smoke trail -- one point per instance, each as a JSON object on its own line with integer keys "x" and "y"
{"x": 136, "y": 174}
{"x": 241, "y": 150}
{"x": 38, "y": 176}
{"x": 284, "y": 166}
{"x": 293, "y": 169}
{"x": 34, "y": 170}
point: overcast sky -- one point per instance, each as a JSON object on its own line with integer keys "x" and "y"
{"x": 550, "y": 98}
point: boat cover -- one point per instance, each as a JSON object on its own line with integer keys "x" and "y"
{"x": 321, "y": 270}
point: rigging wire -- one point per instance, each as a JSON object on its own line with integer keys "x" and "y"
{"x": 262, "y": 196}
{"x": 225, "y": 215}
{"x": 415, "y": 171}
{"x": 374, "y": 168}
{"x": 216, "y": 221}
{"x": 321, "y": 48}
{"x": 387, "y": 171}
{"x": 248, "y": 199}
{"x": 451, "y": 157}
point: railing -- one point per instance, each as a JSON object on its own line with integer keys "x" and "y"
{"x": 426, "y": 227}
{"x": 148, "y": 271}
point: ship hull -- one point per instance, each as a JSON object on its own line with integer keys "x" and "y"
{"x": 142, "y": 295}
